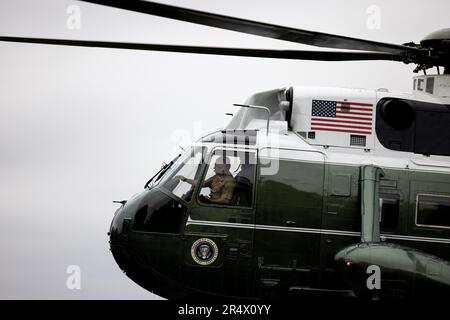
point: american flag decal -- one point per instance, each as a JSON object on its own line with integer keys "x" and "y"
{"x": 341, "y": 116}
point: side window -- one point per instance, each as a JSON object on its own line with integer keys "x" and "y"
{"x": 230, "y": 179}
{"x": 433, "y": 211}
{"x": 390, "y": 211}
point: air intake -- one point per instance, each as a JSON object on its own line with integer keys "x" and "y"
{"x": 356, "y": 140}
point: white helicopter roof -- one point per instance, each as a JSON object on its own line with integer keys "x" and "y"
{"x": 337, "y": 122}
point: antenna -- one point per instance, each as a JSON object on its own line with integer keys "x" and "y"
{"x": 257, "y": 107}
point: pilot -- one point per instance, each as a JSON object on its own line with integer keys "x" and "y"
{"x": 221, "y": 185}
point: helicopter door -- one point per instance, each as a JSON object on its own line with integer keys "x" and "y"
{"x": 288, "y": 220}
{"x": 219, "y": 230}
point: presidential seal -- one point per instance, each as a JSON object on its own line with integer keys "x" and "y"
{"x": 204, "y": 251}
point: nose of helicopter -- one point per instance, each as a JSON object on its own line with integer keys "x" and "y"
{"x": 124, "y": 250}
{"x": 145, "y": 241}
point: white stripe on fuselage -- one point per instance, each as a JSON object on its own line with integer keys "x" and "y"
{"x": 311, "y": 230}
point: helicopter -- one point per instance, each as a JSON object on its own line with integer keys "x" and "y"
{"x": 338, "y": 180}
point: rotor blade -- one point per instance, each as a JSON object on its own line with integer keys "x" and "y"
{"x": 260, "y": 53}
{"x": 313, "y": 38}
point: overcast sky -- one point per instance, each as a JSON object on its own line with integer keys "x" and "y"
{"x": 81, "y": 127}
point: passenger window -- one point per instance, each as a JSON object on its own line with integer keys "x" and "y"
{"x": 433, "y": 211}
{"x": 230, "y": 179}
{"x": 390, "y": 209}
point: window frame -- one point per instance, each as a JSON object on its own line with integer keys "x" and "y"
{"x": 206, "y": 169}
{"x": 201, "y": 168}
{"x": 417, "y": 210}
{"x": 385, "y": 198}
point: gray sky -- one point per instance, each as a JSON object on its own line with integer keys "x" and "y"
{"x": 81, "y": 127}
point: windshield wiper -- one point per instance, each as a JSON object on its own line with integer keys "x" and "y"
{"x": 161, "y": 171}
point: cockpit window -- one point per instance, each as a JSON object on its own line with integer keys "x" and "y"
{"x": 160, "y": 213}
{"x": 230, "y": 179}
{"x": 187, "y": 168}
